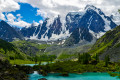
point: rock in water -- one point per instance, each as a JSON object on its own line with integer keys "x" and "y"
{"x": 42, "y": 79}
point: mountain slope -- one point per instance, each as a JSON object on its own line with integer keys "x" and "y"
{"x": 8, "y": 33}
{"x": 9, "y": 51}
{"x": 30, "y": 47}
{"x": 109, "y": 44}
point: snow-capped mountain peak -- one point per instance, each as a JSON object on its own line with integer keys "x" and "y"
{"x": 90, "y": 7}
{"x": 92, "y": 19}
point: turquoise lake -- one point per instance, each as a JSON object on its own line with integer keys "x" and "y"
{"x": 84, "y": 76}
{"x": 43, "y": 63}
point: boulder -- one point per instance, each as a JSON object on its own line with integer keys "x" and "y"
{"x": 42, "y": 79}
{"x": 64, "y": 74}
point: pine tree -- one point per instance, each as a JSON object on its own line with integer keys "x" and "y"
{"x": 79, "y": 58}
{"x": 107, "y": 60}
{"x": 97, "y": 58}
{"x": 86, "y": 58}
{"x": 35, "y": 59}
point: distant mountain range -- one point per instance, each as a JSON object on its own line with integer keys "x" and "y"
{"x": 87, "y": 26}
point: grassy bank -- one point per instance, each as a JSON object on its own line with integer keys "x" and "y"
{"x": 17, "y": 61}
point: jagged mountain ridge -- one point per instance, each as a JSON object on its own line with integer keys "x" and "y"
{"x": 8, "y": 33}
{"x": 92, "y": 19}
{"x": 43, "y": 31}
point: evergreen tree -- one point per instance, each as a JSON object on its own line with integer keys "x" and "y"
{"x": 97, "y": 58}
{"x": 107, "y": 60}
{"x": 35, "y": 59}
{"x": 84, "y": 58}
{"x": 52, "y": 57}
{"x": 79, "y": 58}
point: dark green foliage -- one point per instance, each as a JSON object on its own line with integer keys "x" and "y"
{"x": 75, "y": 67}
{"x": 79, "y": 58}
{"x": 107, "y": 60}
{"x": 9, "y": 51}
{"x": 36, "y": 59}
{"x": 6, "y": 46}
{"x": 84, "y": 58}
{"x": 9, "y": 72}
{"x": 97, "y": 58}
{"x": 26, "y": 69}
{"x": 44, "y": 57}
{"x": 52, "y": 57}
{"x": 113, "y": 74}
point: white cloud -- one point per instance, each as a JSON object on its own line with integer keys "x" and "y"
{"x": 16, "y": 21}
{"x": 7, "y": 6}
{"x": 42, "y": 13}
{"x": 50, "y": 8}
{"x": 2, "y": 16}
{"x": 10, "y": 18}
{"x": 20, "y": 23}
{"x": 40, "y": 21}
{"x": 19, "y": 17}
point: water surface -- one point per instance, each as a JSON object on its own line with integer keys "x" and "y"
{"x": 84, "y": 76}
{"x": 43, "y": 63}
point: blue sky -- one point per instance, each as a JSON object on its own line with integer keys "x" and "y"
{"x": 28, "y": 13}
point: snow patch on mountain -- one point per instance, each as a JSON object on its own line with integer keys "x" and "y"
{"x": 60, "y": 36}
{"x": 107, "y": 23}
{"x": 50, "y": 21}
{"x": 116, "y": 18}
